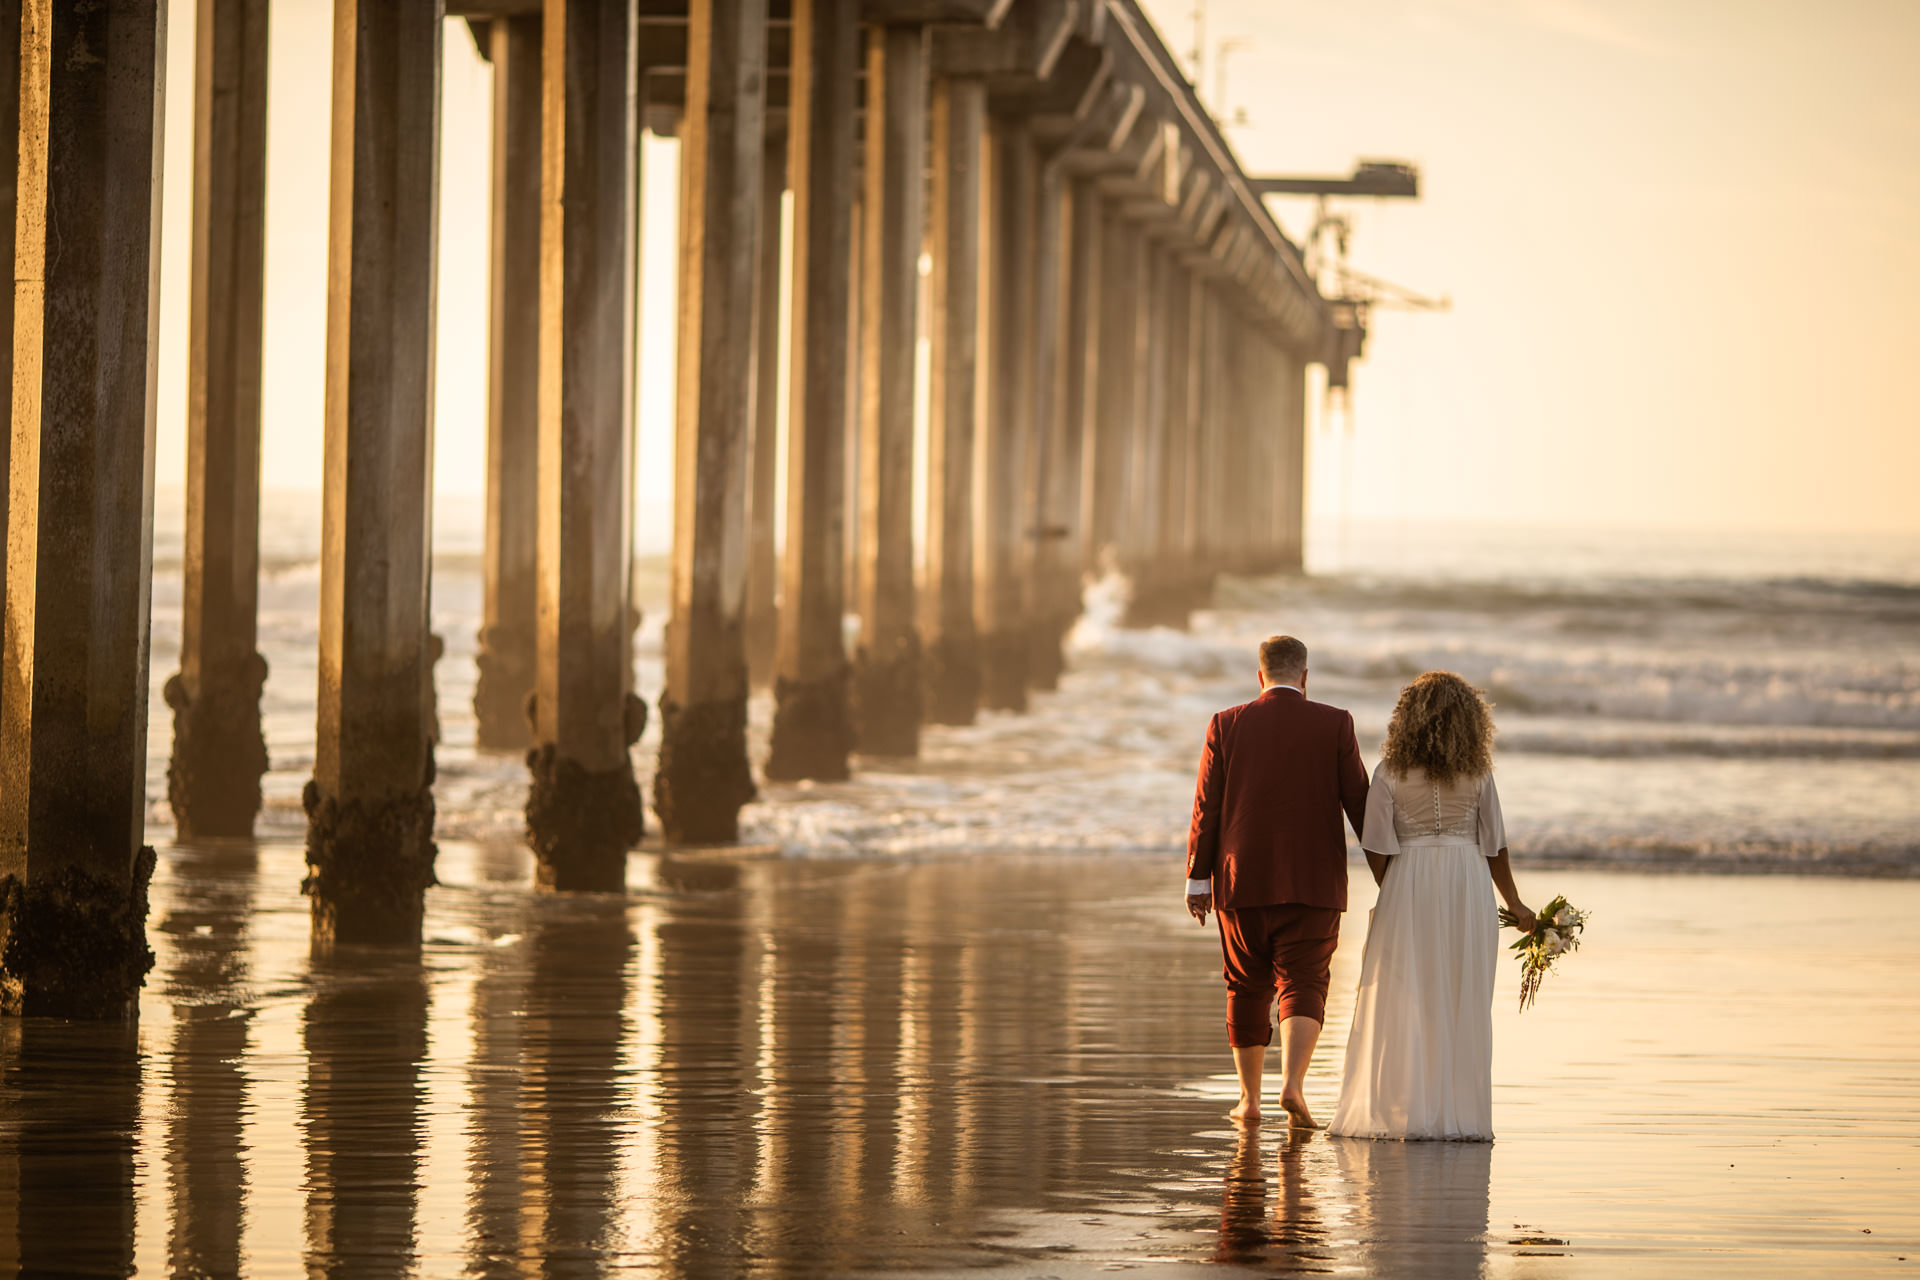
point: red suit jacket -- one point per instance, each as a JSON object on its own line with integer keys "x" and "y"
{"x": 1275, "y": 775}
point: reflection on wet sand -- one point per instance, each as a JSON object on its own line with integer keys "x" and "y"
{"x": 824, "y": 1068}
{"x": 1288, "y": 1233}
{"x": 67, "y": 1146}
{"x": 205, "y": 981}
{"x": 495, "y": 1187}
{"x": 571, "y": 1091}
{"x": 365, "y": 1037}
{"x": 1425, "y": 1200}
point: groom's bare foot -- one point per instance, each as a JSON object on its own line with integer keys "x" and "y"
{"x": 1247, "y": 1113}
{"x": 1298, "y": 1116}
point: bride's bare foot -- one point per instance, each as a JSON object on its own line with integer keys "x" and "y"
{"x": 1298, "y": 1116}
{"x": 1247, "y": 1113}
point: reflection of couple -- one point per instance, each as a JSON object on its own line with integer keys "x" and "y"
{"x": 1383, "y": 1208}
{"x": 1267, "y": 852}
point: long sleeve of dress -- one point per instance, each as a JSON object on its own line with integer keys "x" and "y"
{"x": 1378, "y": 836}
{"x": 1493, "y": 827}
{"x": 1203, "y": 837}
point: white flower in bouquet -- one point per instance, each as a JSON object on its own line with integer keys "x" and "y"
{"x": 1553, "y": 942}
{"x": 1565, "y": 916}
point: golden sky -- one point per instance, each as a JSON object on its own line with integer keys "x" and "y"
{"x": 1682, "y": 243}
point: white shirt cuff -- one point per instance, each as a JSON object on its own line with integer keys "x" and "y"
{"x": 1199, "y": 886}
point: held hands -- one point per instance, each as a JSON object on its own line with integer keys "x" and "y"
{"x": 1524, "y": 919}
{"x": 1198, "y": 904}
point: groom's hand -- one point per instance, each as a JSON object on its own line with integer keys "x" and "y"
{"x": 1198, "y": 904}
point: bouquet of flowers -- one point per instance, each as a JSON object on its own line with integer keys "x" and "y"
{"x": 1556, "y": 931}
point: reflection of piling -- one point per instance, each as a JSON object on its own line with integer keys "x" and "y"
{"x": 583, "y": 806}
{"x": 496, "y": 1216}
{"x": 952, "y": 663}
{"x": 207, "y": 980}
{"x": 703, "y": 777}
{"x": 812, "y": 733}
{"x": 218, "y": 751}
{"x": 370, "y": 802}
{"x": 73, "y": 741}
{"x": 69, "y": 1148}
{"x": 886, "y": 677}
{"x": 572, "y": 1100}
{"x": 365, "y": 1035}
{"x": 506, "y": 655}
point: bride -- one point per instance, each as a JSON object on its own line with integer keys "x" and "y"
{"x": 1420, "y": 1055}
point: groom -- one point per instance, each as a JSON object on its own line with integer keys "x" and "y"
{"x": 1266, "y": 851}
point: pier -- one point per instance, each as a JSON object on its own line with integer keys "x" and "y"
{"x": 1119, "y": 335}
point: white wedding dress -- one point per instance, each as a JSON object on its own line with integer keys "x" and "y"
{"x": 1420, "y": 1055}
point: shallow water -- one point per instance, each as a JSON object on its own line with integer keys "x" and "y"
{"x": 1721, "y": 703}
{"x": 1008, "y": 1063}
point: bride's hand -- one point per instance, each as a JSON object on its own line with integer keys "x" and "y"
{"x": 1524, "y": 919}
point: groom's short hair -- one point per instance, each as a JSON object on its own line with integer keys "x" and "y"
{"x": 1282, "y": 657}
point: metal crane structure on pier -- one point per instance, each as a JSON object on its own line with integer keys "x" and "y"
{"x": 1351, "y": 294}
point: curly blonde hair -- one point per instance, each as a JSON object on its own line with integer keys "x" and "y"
{"x": 1443, "y": 725}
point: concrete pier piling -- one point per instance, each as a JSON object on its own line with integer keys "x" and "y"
{"x": 1052, "y": 498}
{"x": 763, "y": 467}
{"x": 219, "y": 754}
{"x": 1176, "y": 550}
{"x": 952, "y": 663}
{"x": 812, "y": 728}
{"x": 583, "y": 806}
{"x": 1111, "y": 441}
{"x": 1084, "y": 345}
{"x": 9, "y": 212}
{"x": 1293, "y": 486}
{"x": 703, "y": 778}
{"x": 73, "y": 697}
{"x": 369, "y": 803}
{"x": 505, "y": 659}
{"x": 1002, "y": 542}
{"x": 886, "y": 676}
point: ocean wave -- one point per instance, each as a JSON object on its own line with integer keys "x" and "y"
{"x": 1786, "y": 857}
{"x": 1663, "y": 665}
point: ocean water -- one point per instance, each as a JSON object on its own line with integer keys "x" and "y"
{"x": 1662, "y": 700}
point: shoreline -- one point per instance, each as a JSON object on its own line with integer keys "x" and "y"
{"x": 1725, "y": 867}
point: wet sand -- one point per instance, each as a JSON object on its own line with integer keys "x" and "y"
{"x": 1010, "y": 1064}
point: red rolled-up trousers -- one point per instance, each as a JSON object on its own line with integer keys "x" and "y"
{"x": 1287, "y": 949}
